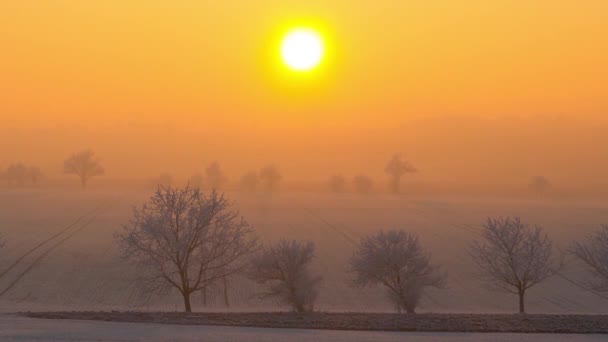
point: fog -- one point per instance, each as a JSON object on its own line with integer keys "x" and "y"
{"x": 451, "y": 152}
{"x": 426, "y": 119}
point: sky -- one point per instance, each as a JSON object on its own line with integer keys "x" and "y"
{"x": 466, "y": 90}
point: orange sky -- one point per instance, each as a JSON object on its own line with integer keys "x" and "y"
{"x": 157, "y": 86}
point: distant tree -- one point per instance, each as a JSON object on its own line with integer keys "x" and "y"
{"x": 396, "y": 260}
{"x": 35, "y": 174}
{"x": 513, "y": 257}
{"x": 186, "y": 240}
{"x": 396, "y": 168}
{"x": 539, "y": 184}
{"x": 215, "y": 175}
{"x": 165, "y": 179}
{"x": 270, "y": 178}
{"x": 337, "y": 183}
{"x": 249, "y": 181}
{"x": 84, "y": 165}
{"x": 17, "y": 174}
{"x": 362, "y": 184}
{"x": 283, "y": 268}
{"x": 594, "y": 254}
{"x": 196, "y": 181}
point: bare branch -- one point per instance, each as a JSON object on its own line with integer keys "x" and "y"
{"x": 396, "y": 260}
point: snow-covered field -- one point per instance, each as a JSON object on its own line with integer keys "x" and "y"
{"x": 13, "y": 328}
{"x": 84, "y": 274}
{"x": 487, "y": 323}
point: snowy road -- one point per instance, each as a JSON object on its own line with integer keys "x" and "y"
{"x": 14, "y": 328}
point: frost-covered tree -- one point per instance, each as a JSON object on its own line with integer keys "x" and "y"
{"x": 396, "y": 168}
{"x": 337, "y": 183}
{"x": 186, "y": 240}
{"x": 512, "y": 257}
{"x": 35, "y": 174}
{"x": 362, "y": 184}
{"x": 284, "y": 270}
{"x": 539, "y": 184}
{"x": 593, "y": 252}
{"x": 270, "y": 177}
{"x": 215, "y": 175}
{"x": 249, "y": 181}
{"x": 84, "y": 165}
{"x": 396, "y": 260}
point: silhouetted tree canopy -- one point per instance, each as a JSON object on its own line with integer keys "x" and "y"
{"x": 396, "y": 168}
{"x": 539, "y": 184}
{"x": 593, "y": 252}
{"x": 186, "y": 240}
{"x": 284, "y": 271}
{"x": 20, "y": 174}
{"x": 270, "y": 177}
{"x": 84, "y": 165}
{"x": 396, "y": 260}
{"x": 512, "y": 257}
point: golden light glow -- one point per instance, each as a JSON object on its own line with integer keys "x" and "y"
{"x": 302, "y": 49}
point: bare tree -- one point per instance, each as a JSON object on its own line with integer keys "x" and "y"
{"x": 284, "y": 269}
{"x": 249, "y": 181}
{"x": 337, "y": 183}
{"x": 270, "y": 178}
{"x": 215, "y": 175}
{"x": 396, "y": 260}
{"x": 186, "y": 240}
{"x": 512, "y": 257}
{"x": 362, "y": 184}
{"x": 396, "y": 168}
{"x": 84, "y": 165}
{"x": 17, "y": 174}
{"x": 35, "y": 174}
{"x": 20, "y": 174}
{"x": 539, "y": 184}
{"x": 594, "y": 254}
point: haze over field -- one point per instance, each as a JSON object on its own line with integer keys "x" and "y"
{"x": 471, "y": 92}
{"x": 85, "y": 273}
{"x": 372, "y": 165}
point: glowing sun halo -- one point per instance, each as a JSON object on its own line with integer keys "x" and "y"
{"x": 302, "y": 49}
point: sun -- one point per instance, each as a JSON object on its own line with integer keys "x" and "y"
{"x": 302, "y": 49}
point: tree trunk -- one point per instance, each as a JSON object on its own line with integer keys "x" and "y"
{"x": 204, "y": 295}
{"x": 522, "y": 307}
{"x": 83, "y": 182}
{"x": 187, "y": 305}
{"x": 225, "y": 281}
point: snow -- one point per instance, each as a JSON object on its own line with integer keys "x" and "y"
{"x": 15, "y": 328}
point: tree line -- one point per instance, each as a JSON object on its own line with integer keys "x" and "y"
{"x": 186, "y": 240}
{"x": 85, "y": 165}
